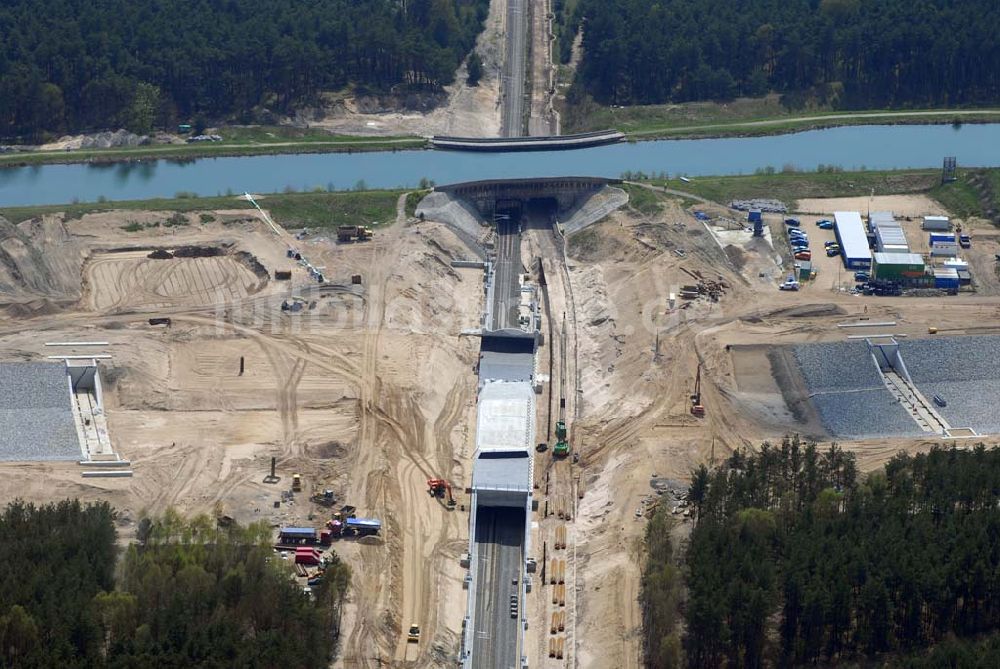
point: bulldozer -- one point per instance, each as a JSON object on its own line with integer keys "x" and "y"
{"x": 438, "y": 488}
{"x": 325, "y": 498}
{"x": 350, "y": 233}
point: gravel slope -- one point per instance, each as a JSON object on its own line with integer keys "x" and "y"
{"x": 848, "y": 392}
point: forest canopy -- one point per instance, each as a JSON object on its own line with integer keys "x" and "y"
{"x": 850, "y": 53}
{"x": 796, "y": 560}
{"x": 71, "y": 65}
{"x": 188, "y": 594}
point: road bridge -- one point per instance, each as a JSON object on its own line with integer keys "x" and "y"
{"x": 545, "y": 143}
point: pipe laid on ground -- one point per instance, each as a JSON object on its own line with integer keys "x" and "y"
{"x": 77, "y": 343}
{"x": 105, "y": 473}
{"x": 876, "y": 336}
{"x": 866, "y": 324}
{"x": 95, "y": 356}
{"x": 105, "y": 463}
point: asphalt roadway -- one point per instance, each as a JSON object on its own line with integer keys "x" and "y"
{"x": 514, "y": 65}
{"x": 499, "y": 537}
{"x": 506, "y": 284}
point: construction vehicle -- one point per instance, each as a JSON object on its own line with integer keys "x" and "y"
{"x": 324, "y": 498}
{"x": 696, "y": 406}
{"x": 296, "y": 483}
{"x": 561, "y": 449}
{"x": 438, "y": 487}
{"x": 413, "y": 636}
{"x": 352, "y": 233}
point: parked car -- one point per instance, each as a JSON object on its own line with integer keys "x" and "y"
{"x": 832, "y": 251}
{"x": 789, "y": 284}
{"x": 825, "y": 225}
{"x": 824, "y": 221}
{"x": 805, "y": 254}
{"x": 829, "y": 244}
{"x": 799, "y": 246}
{"x": 861, "y": 277}
{"x": 793, "y": 222}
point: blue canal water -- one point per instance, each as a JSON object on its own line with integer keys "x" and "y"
{"x": 871, "y": 147}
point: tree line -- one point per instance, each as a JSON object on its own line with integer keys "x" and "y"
{"x": 72, "y": 65}
{"x": 850, "y": 53}
{"x": 188, "y": 594}
{"x": 796, "y": 560}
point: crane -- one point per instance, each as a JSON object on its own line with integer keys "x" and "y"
{"x": 696, "y": 407}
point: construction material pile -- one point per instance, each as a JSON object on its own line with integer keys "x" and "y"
{"x": 770, "y": 206}
{"x": 713, "y": 289}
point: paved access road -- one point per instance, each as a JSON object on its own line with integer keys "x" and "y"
{"x": 499, "y": 537}
{"x": 506, "y": 283}
{"x": 514, "y": 63}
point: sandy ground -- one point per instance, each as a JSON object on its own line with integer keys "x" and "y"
{"x": 370, "y": 392}
{"x": 371, "y": 389}
{"x": 468, "y": 112}
{"x": 633, "y": 422}
{"x": 541, "y": 120}
{"x": 901, "y": 205}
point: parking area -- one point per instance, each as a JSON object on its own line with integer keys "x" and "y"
{"x": 829, "y": 271}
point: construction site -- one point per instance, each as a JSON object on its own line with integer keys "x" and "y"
{"x": 476, "y": 407}
{"x": 478, "y": 403}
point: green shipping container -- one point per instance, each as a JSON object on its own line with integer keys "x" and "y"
{"x": 899, "y": 266}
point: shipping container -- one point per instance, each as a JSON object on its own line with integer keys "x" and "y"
{"x": 936, "y": 223}
{"x": 941, "y": 237}
{"x": 899, "y": 266}
{"x": 944, "y": 250}
{"x": 946, "y": 278}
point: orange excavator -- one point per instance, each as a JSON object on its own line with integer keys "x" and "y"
{"x": 438, "y": 488}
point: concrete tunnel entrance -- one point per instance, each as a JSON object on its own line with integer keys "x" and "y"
{"x": 542, "y": 200}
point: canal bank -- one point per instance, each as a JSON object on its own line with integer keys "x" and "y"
{"x": 850, "y": 148}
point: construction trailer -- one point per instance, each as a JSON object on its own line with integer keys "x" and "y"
{"x": 936, "y": 223}
{"x": 905, "y": 268}
{"x": 888, "y": 233}
{"x": 946, "y": 278}
{"x": 853, "y": 240}
{"x": 944, "y": 250}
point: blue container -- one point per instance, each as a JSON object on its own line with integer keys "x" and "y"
{"x": 941, "y": 237}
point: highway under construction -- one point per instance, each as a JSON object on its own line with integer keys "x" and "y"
{"x": 502, "y": 471}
